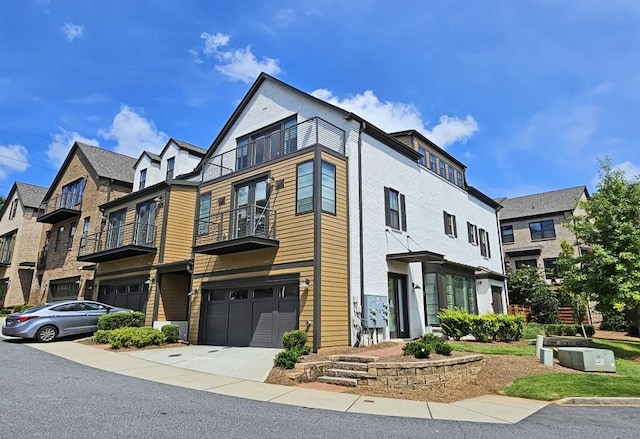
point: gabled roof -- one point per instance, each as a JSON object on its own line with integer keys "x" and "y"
{"x": 196, "y": 150}
{"x": 30, "y": 195}
{"x": 370, "y": 129}
{"x": 104, "y": 163}
{"x": 563, "y": 200}
{"x": 157, "y": 158}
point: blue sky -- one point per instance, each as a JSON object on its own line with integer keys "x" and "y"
{"x": 526, "y": 93}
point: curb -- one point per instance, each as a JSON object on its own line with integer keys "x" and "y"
{"x": 588, "y": 401}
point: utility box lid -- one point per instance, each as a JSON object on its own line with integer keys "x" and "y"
{"x": 587, "y": 359}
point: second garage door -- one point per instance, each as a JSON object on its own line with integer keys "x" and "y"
{"x": 249, "y": 315}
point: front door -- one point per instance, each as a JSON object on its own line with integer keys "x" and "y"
{"x": 251, "y": 216}
{"x": 398, "y": 312}
{"x": 496, "y": 299}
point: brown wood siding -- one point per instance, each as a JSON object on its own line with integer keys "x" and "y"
{"x": 173, "y": 300}
{"x": 124, "y": 267}
{"x": 180, "y": 223}
{"x": 334, "y": 264}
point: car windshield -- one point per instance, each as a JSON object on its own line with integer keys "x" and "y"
{"x": 34, "y": 309}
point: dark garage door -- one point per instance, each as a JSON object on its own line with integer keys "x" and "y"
{"x": 255, "y": 316}
{"x": 132, "y": 294}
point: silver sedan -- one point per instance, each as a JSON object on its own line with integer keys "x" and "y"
{"x": 47, "y": 322}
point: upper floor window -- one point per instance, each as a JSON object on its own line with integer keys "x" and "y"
{"x": 472, "y": 231}
{"x": 72, "y": 234}
{"x": 485, "y": 250}
{"x": 171, "y": 163}
{"x": 450, "y": 227}
{"x": 7, "y": 247}
{"x": 432, "y": 162}
{"x": 203, "y": 213}
{"x": 442, "y": 170}
{"x": 459, "y": 179}
{"x": 395, "y": 209}
{"x": 72, "y": 194}
{"x": 304, "y": 187}
{"x": 267, "y": 144}
{"x": 423, "y": 156}
{"x": 507, "y": 234}
{"x": 85, "y": 231}
{"x": 328, "y": 188}
{"x": 542, "y": 230}
{"x": 14, "y": 207}
{"x": 451, "y": 176}
{"x": 59, "y": 236}
{"x": 143, "y": 179}
{"x": 526, "y": 263}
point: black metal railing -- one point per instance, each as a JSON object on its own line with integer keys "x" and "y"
{"x": 136, "y": 234}
{"x": 71, "y": 201}
{"x": 275, "y": 145}
{"x": 243, "y": 222}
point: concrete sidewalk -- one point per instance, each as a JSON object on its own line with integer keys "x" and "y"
{"x": 488, "y": 408}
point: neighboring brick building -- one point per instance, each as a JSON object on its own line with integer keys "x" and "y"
{"x": 533, "y": 227}
{"x": 19, "y": 237}
{"x": 89, "y": 177}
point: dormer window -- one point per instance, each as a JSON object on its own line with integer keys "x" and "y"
{"x": 170, "y": 166}
{"x": 143, "y": 179}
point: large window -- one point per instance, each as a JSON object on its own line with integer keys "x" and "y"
{"x": 485, "y": 250}
{"x": 460, "y": 292}
{"x": 7, "y": 247}
{"x": 551, "y": 269}
{"x": 72, "y": 194}
{"x": 59, "y": 236}
{"x": 304, "y": 188}
{"x": 203, "y": 213}
{"x": 423, "y": 156}
{"x": 328, "y": 188}
{"x": 171, "y": 163}
{"x": 395, "y": 209}
{"x": 442, "y": 170}
{"x": 450, "y": 227}
{"x": 472, "y": 232}
{"x": 459, "y": 179}
{"x": 143, "y": 179}
{"x": 451, "y": 174}
{"x": 432, "y": 162}
{"x": 267, "y": 144}
{"x": 507, "y": 234}
{"x": 542, "y": 230}
{"x": 526, "y": 263}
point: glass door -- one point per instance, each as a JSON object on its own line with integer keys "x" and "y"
{"x": 398, "y": 311}
{"x": 251, "y": 215}
{"x": 145, "y": 223}
{"x": 115, "y": 234}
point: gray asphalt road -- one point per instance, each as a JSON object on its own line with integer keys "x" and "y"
{"x": 43, "y": 396}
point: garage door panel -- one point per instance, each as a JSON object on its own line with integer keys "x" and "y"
{"x": 239, "y": 323}
{"x": 216, "y": 318}
{"x": 262, "y": 324}
{"x": 287, "y": 318}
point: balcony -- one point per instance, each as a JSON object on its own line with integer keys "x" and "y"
{"x": 133, "y": 239}
{"x": 60, "y": 208}
{"x": 278, "y": 144}
{"x": 238, "y": 230}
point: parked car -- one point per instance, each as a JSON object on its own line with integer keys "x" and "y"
{"x": 47, "y": 322}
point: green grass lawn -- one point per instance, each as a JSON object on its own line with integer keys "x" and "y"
{"x": 552, "y": 386}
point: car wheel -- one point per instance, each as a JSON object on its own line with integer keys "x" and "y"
{"x": 46, "y": 334}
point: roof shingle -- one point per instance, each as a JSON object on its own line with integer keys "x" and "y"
{"x": 30, "y": 194}
{"x": 109, "y": 164}
{"x": 545, "y": 203}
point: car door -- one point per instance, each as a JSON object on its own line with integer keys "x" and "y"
{"x": 92, "y": 312}
{"x": 68, "y": 318}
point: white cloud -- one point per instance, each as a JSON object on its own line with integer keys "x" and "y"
{"x": 62, "y": 142}
{"x": 234, "y": 64}
{"x": 196, "y": 56}
{"x": 398, "y": 116}
{"x": 630, "y": 170}
{"x": 13, "y": 158}
{"x": 133, "y": 133}
{"x": 72, "y": 31}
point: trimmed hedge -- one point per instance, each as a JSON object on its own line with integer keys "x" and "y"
{"x": 501, "y": 327}
{"x": 564, "y": 329}
{"x": 117, "y": 320}
{"x": 294, "y": 343}
{"x": 101, "y": 336}
{"x": 138, "y": 337}
{"x": 422, "y": 347}
{"x": 20, "y": 308}
{"x": 171, "y": 332}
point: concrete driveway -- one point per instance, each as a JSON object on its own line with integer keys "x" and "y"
{"x": 239, "y": 362}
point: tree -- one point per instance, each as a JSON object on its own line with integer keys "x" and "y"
{"x": 572, "y": 286}
{"x": 527, "y": 286}
{"x": 610, "y": 233}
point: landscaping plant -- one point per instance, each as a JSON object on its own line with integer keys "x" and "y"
{"x": 295, "y": 346}
{"x": 121, "y": 320}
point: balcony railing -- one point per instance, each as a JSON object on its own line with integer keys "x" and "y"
{"x": 132, "y": 239}
{"x": 246, "y": 228}
{"x": 60, "y": 208}
{"x": 275, "y": 145}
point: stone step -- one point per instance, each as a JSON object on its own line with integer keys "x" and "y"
{"x": 354, "y": 358}
{"x": 349, "y": 382}
{"x": 346, "y": 365}
{"x": 347, "y": 373}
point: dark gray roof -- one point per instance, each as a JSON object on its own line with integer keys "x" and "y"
{"x": 562, "y": 200}
{"x": 30, "y": 194}
{"x": 189, "y": 147}
{"x": 109, "y": 164}
{"x": 153, "y": 156}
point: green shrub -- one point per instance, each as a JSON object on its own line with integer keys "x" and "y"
{"x": 455, "y": 323}
{"x": 171, "y": 332}
{"x": 438, "y": 344}
{"x": 117, "y": 320}
{"x": 544, "y": 306}
{"x": 101, "y": 336}
{"x": 417, "y": 348}
{"x": 287, "y": 359}
{"x": 613, "y": 320}
{"x": 532, "y": 330}
{"x": 136, "y": 336}
{"x": 589, "y": 329}
{"x": 296, "y": 339}
{"x": 509, "y": 327}
{"x": 569, "y": 330}
{"x": 4, "y": 311}
{"x": 483, "y": 327}
{"x": 20, "y": 308}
